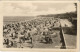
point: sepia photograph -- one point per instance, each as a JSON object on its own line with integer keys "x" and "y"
{"x": 41, "y": 25}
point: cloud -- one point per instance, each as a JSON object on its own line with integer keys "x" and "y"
{"x": 31, "y": 9}
{"x": 18, "y": 8}
{"x": 68, "y": 8}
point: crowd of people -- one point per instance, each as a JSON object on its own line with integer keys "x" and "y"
{"x": 21, "y": 32}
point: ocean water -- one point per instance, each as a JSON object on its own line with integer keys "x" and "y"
{"x": 14, "y": 19}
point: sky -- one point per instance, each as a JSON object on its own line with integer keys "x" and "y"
{"x": 34, "y": 8}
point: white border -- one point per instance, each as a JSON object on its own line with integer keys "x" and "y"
{"x": 35, "y": 49}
